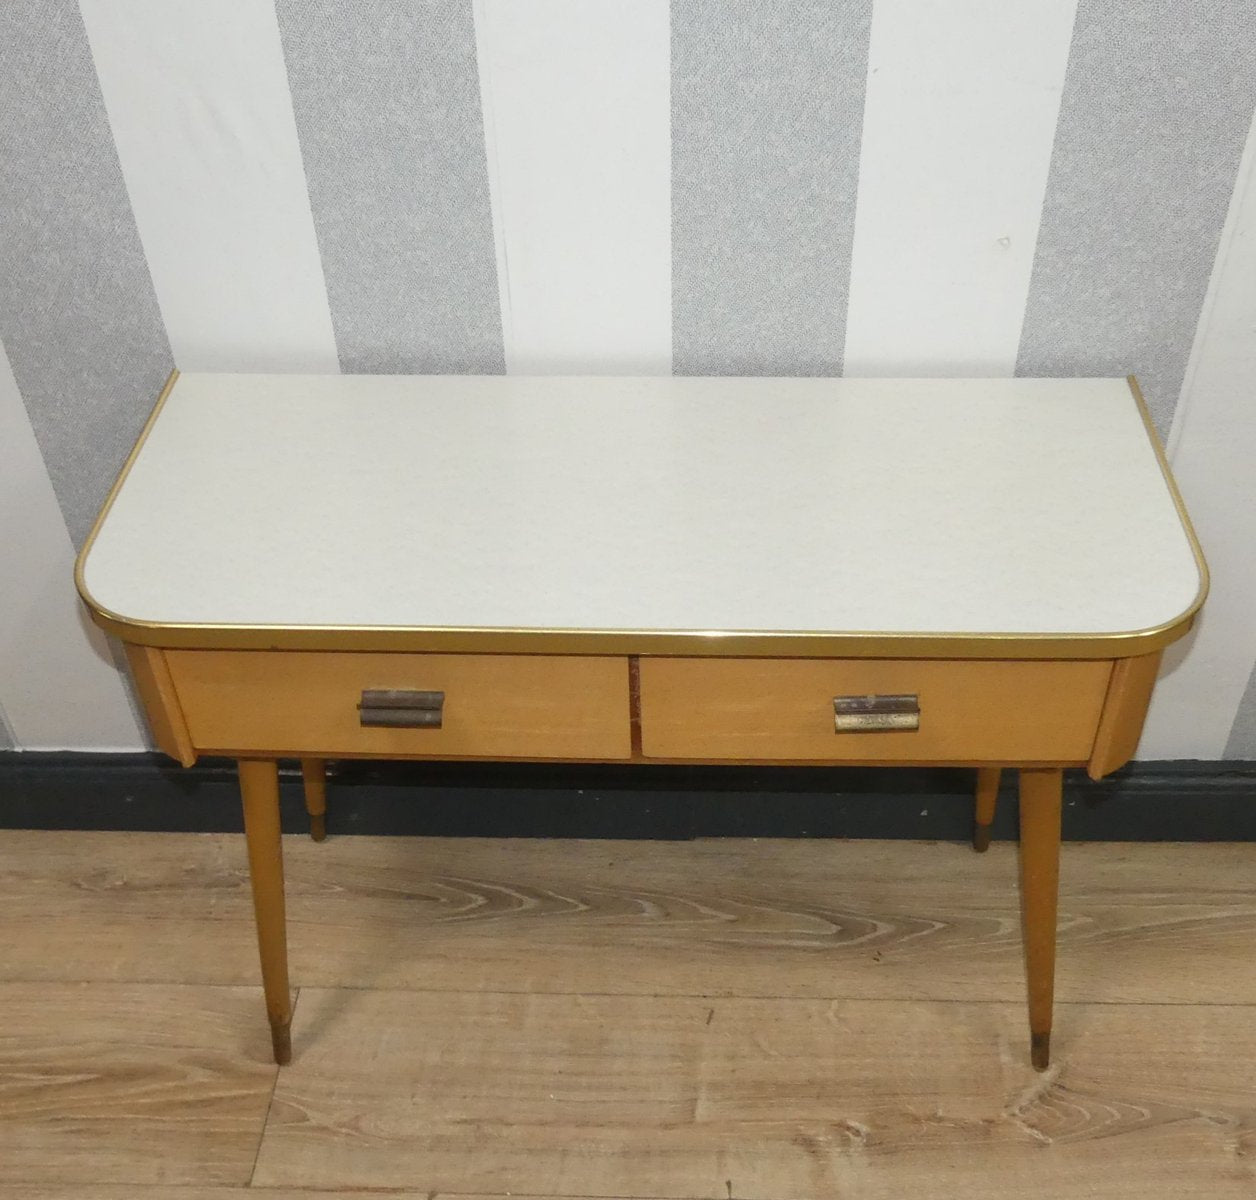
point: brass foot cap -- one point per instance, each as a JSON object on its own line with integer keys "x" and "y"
{"x": 318, "y": 827}
{"x": 981, "y": 838}
{"x": 1040, "y": 1050}
{"x": 281, "y": 1040}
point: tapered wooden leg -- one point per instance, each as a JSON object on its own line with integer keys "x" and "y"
{"x": 315, "y": 778}
{"x": 987, "y": 796}
{"x": 259, "y": 789}
{"x": 1040, "y": 796}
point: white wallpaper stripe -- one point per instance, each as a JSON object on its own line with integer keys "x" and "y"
{"x": 1214, "y": 449}
{"x": 198, "y": 100}
{"x": 61, "y": 691}
{"x": 577, "y": 126}
{"x": 959, "y": 121}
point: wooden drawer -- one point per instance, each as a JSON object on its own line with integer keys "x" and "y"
{"x": 746, "y": 709}
{"x": 496, "y": 706}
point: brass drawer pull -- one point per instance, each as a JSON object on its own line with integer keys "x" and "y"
{"x": 875, "y": 714}
{"x": 409, "y": 710}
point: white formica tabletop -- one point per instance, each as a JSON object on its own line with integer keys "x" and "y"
{"x": 836, "y": 507}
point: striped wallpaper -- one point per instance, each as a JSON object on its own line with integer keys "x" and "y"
{"x": 878, "y": 187}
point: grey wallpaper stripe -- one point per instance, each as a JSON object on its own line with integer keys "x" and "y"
{"x": 77, "y": 309}
{"x": 387, "y": 104}
{"x": 1156, "y": 106}
{"x": 767, "y": 114}
{"x": 1242, "y": 740}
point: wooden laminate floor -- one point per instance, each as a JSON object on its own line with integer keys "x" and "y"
{"x": 580, "y": 1019}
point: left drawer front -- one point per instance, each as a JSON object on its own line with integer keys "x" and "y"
{"x": 495, "y": 706}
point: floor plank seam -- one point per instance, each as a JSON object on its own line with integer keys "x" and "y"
{"x": 23, "y": 981}
{"x": 726, "y": 996}
{"x": 270, "y": 1102}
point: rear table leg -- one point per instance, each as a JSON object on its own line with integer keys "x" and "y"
{"x": 315, "y": 778}
{"x": 987, "y": 795}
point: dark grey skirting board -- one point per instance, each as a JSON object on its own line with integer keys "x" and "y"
{"x": 1150, "y": 801}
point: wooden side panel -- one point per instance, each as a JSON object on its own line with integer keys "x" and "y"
{"x": 1124, "y": 711}
{"x": 151, "y": 673}
{"x": 245, "y": 702}
{"x": 756, "y": 710}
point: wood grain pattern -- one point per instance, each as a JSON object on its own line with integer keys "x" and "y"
{"x": 36, "y": 1191}
{"x": 1124, "y": 712}
{"x": 135, "y": 1084}
{"x": 997, "y": 1173}
{"x": 782, "y": 709}
{"x": 683, "y": 1096}
{"x": 770, "y": 1079}
{"x": 243, "y": 702}
{"x": 721, "y": 917}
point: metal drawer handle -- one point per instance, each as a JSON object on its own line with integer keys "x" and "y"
{"x": 875, "y": 714}
{"x": 409, "y": 710}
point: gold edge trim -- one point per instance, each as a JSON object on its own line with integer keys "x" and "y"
{"x": 102, "y": 615}
{"x": 756, "y": 643}
{"x": 752, "y": 643}
{"x": 1201, "y": 563}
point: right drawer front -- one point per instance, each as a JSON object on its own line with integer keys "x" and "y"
{"x": 782, "y": 709}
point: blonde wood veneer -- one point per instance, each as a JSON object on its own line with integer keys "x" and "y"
{"x": 1040, "y": 804}
{"x": 1124, "y": 712}
{"x": 496, "y": 706}
{"x": 782, "y": 709}
{"x": 151, "y": 673}
{"x": 259, "y": 790}
{"x": 987, "y": 802}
